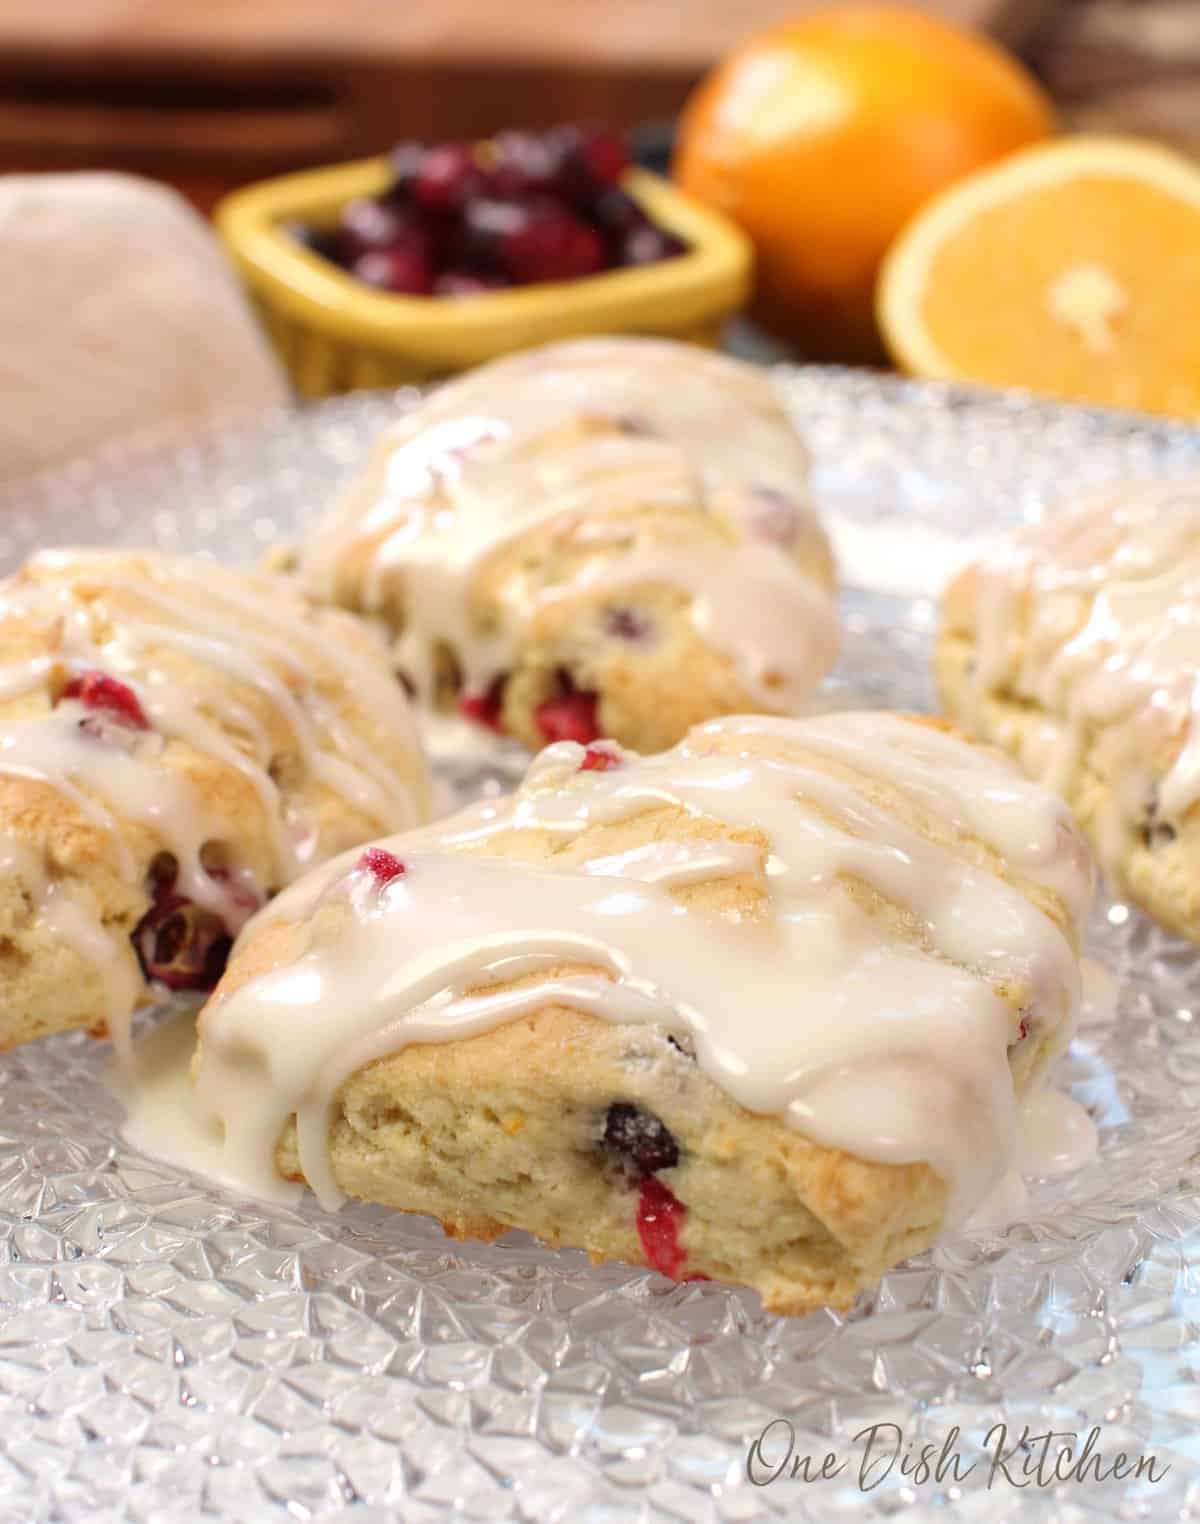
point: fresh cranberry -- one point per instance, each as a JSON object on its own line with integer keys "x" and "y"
{"x": 404, "y": 270}
{"x": 550, "y": 244}
{"x": 484, "y": 222}
{"x": 485, "y": 707}
{"x": 660, "y": 1217}
{"x": 597, "y": 760}
{"x": 647, "y": 245}
{"x": 448, "y": 176}
{"x": 524, "y": 164}
{"x": 369, "y": 224}
{"x": 467, "y": 283}
{"x": 589, "y": 161}
{"x": 528, "y": 241}
{"x": 524, "y": 209}
{"x": 406, "y": 162}
{"x": 382, "y": 865}
{"x": 570, "y": 717}
{"x": 605, "y": 156}
{"x": 97, "y": 691}
{"x": 181, "y": 945}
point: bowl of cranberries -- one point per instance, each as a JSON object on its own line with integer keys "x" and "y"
{"x": 438, "y": 257}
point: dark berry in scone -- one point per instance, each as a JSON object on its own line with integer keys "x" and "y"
{"x": 177, "y": 741}
{"x": 758, "y": 1009}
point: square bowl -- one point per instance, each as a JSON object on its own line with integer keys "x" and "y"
{"x": 337, "y": 335}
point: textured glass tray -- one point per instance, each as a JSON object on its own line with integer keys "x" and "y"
{"x": 170, "y": 1353}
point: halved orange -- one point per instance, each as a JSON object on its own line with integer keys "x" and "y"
{"x": 1072, "y": 269}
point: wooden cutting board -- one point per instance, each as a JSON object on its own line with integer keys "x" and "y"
{"x": 212, "y": 93}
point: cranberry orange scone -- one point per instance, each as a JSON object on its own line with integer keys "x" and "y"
{"x": 601, "y": 537}
{"x": 177, "y": 742}
{"x": 1077, "y": 648}
{"x": 759, "y": 1008}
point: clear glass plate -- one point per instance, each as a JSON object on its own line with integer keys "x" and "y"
{"x": 171, "y": 1353}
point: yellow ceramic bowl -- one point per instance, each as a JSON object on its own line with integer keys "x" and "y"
{"x": 336, "y": 335}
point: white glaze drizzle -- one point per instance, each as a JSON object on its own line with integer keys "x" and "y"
{"x": 1095, "y": 615}
{"x": 581, "y": 431}
{"x": 239, "y": 631}
{"x": 806, "y": 1008}
{"x": 1054, "y": 1136}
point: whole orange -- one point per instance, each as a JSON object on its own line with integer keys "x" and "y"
{"x": 822, "y": 136}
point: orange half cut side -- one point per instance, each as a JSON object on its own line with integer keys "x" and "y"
{"x": 1072, "y": 269}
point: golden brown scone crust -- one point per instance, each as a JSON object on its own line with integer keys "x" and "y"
{"x": 1116, "y": 765}
{"x": 47, "y": 984}
{"x": 651, "y": 687}
{"x": 504, "y": 1129}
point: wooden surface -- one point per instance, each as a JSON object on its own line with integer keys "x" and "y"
{"x": 1128, "y": 66}
{"x": 212, "y": 93}
{"x": 643, "y": 35}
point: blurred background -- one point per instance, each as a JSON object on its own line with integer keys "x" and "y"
{"x": 299, "y": 198}
{"x": 211, "y": 94}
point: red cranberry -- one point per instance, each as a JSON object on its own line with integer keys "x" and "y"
{"x": 381, "y": 864}
{"x": 570, "y": 717}
{"x": 485, "y": 221}
{"x": 647, "y": 245}
{"x": 448, "y": 176}
{"x": 182, "y": 945}
{"x": 525, "y": 164}
{"x": 605, "y": 156}
{"x": 402, "y": 270}
{"x": 660, "y": 1217}
{"x": 406, "y": 161}
{"x": 178, "y": 943}
{"x": 597, "y": 760}
{"x": 97, "y": 691}
{"x": 1022, "y": 1029}
{"x": 367, "y": 224}
{"x": 590, "y": 161}
{"x": 526, "y": 208}
{"x": 549, "y": 244}
{"x": 467, "y": 283}
{"x": 485, "y": 708}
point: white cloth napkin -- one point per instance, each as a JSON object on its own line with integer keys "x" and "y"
{"x": 119, "y": 315}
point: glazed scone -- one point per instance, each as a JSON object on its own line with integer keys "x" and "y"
{"x": 177, "y": 742}
{"x": 1077, "y": 649}
{"x": 757, "y": 1009}
{"x": 601, "y": 537}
